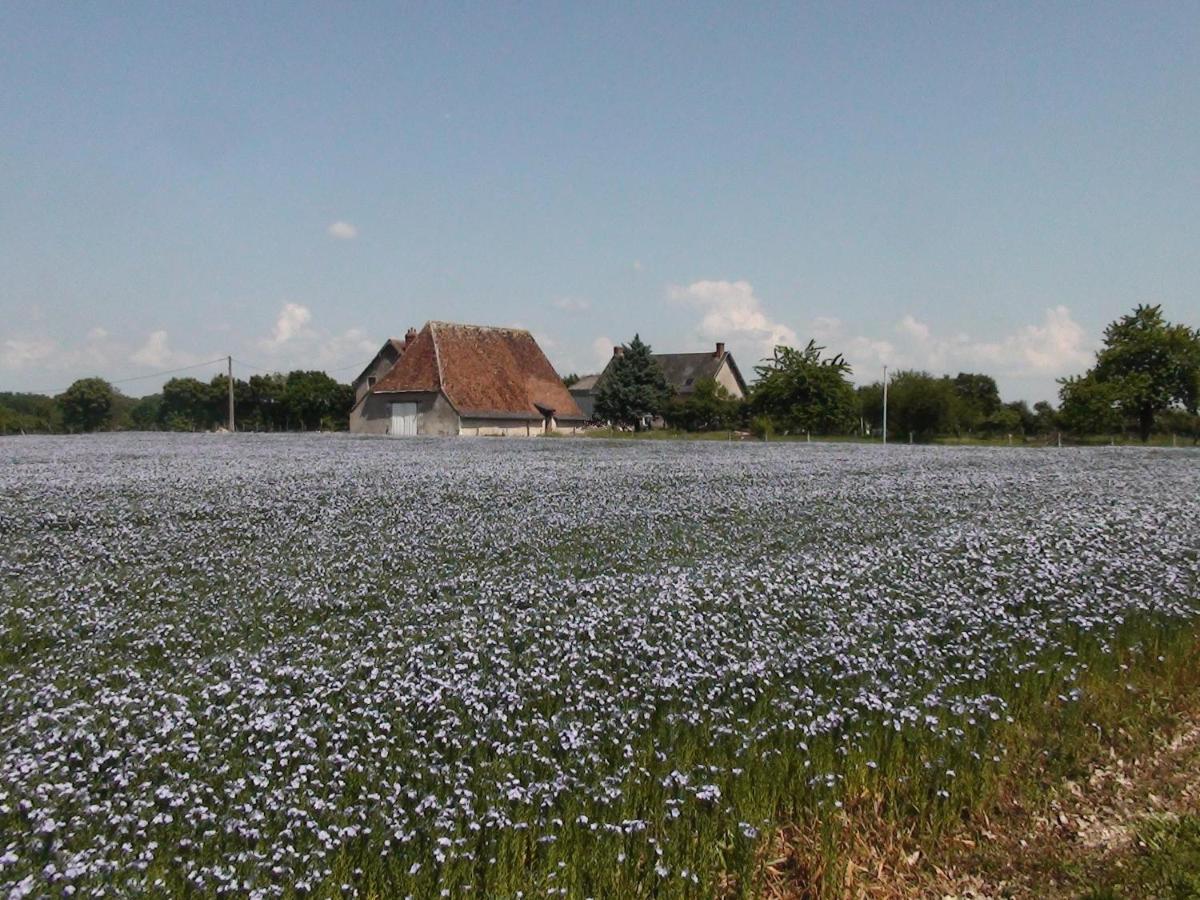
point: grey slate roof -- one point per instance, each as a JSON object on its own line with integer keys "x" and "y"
{"x": 683, "y": 370}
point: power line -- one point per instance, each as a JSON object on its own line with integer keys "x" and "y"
{"x": 212, "y": 362}
{"x": 168, "y": 371}
{"x": 149, "y": 375}
{"x": 273, "y": 369}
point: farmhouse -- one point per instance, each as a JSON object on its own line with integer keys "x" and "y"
{"x": 682, "y": 371}
{"x": 584, "y": 392}
{"x": 450, "y": 379}
{"x": 389, "y": 354}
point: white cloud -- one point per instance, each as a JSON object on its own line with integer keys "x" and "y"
{"x": 290, "y": 324}
{"x": 156, "y": 353}
{"x": 350, "y": 346}
{"x": 1056, "y": 346}
{"x": 602, "y": 350}
{"x": 637, "y": 265}
{"x": 730, "y": 312}
{"x": 343, "y": 231}
{"x": 97, "y": 334}
{"x": 913, "y": 329}
{"x": 24, "y": 353}
{"x": 573, "y": 304}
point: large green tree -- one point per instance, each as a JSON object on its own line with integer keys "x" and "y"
{"x": 633, "y": 388}
{"x": 920, "y": 404}
{"x": 186, "y": 405}
{"x": 87, "y": 404}
{"x": 1152, "y": 364}
{"x": 801, "y": 390}
{"x": 314, "y": 400}
{"x": 977, "y": 403}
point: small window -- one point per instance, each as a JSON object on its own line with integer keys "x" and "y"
{"x": 688, "y": 383}
{"x": 370, "y": 381}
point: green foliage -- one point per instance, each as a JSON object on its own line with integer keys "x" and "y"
{"x": 633, "y": 388}
{"x": 1181, "y": 423}
{"x": 314, "y": 400}
{"x": 298, "y": 400}
{"x": 1147, "y": 366}
{"x": 29, "y": 413}
{"x": 977, "y": 399}
{"x": 144, "y": 414}
{"x": 1045, "y": 418}
{"x": 921, "y": 405}
{"x": 1089, "y": 406}
{"x": 570, "y": 380}
{"x": 870, "y": 405}
{"x": 1171, "y": 864}
{"x": 1167, "y": 864}
{"x": 709, "y": 407}
{"x": 87, "y": 404}
{"x": 799, "y": 391}
{"x": 186, "y": 405}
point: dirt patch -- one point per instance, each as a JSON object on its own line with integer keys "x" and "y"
{"x": 1086, "y": 834}
{"x": 1073, "y": 838}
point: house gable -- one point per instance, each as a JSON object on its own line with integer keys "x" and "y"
{"x": 484, "y": 372}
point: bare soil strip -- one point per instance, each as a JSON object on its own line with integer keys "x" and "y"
{"x": 1080, "y": 837}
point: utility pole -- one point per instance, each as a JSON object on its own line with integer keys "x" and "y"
{"x": 885, "y": 406}
{"x": 229, "y": 359}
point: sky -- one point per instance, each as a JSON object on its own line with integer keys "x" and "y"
{"x": 949, "y": 187}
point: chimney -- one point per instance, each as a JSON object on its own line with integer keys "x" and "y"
{"x": 409, "y": 337}
{"x": 720, "y": 354}
{"x": 618, "y": 351}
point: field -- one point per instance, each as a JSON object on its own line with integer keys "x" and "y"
{"x": 282, "y": 665}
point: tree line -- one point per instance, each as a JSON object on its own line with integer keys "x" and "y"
{"x": 297, "y": 401}
{"x": 1146, "y": 380}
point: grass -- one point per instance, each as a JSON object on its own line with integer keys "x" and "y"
{"x": 1166, "y": 865}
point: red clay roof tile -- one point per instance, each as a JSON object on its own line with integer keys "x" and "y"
{"x": 483, "y": 371}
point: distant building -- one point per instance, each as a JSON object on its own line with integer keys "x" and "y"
{"x": 389, "y": 354}
{"x": 452, "y": 379}
{"x": 583, "y": 391}
{"x": 682, "y": 371}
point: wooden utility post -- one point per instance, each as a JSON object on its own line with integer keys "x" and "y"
{"x": 229, "y": 359}
{"x": 885, "y": 406}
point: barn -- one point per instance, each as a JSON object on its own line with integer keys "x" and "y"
{"x": 450, "y": 379}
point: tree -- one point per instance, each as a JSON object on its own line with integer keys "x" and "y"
{"x": 186, "y": 405}
{"x": 87, "y": 404}
{"x": 633, "y": 388}
{"x": 145, "y": 412}
{"x": 1089, "y": 406}
{"x": 799, "y": 390}
{"x": 977, "y": 402}
{"x": 267, "y": 410}
{"x": 920, "y": 404}
{"x": 709, "y": 407}
{"x": 218, "y": 400}
{"x": 569, "y": 381}
{"x": 870, "y": 404}
{"x": 29, "y": 413}
{"x": 1151, "y": 365}
{"x": 1045, "y": 418}
{"x": 314, "y": 400}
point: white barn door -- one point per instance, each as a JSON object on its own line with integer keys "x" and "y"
{"x": 404, "y": 419}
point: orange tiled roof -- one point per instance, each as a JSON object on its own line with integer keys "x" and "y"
{"x": 483, "y": 371}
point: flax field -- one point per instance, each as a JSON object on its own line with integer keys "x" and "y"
{"x": 327, "y": 666}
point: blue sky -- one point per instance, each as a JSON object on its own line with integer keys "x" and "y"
{"x": 953, "y": 187}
